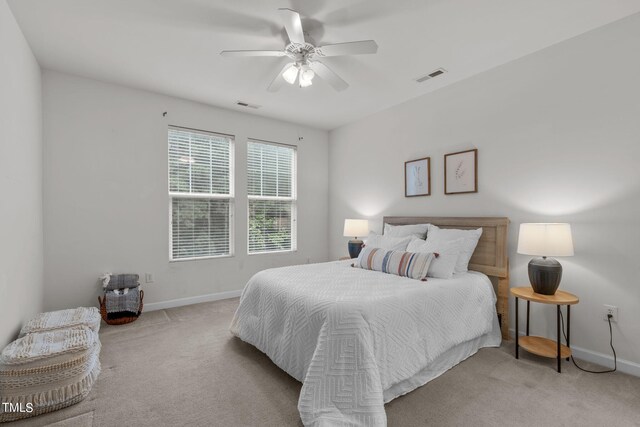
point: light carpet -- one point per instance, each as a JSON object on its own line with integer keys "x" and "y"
{"x": 181, "y": 366}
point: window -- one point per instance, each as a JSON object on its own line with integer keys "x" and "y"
{"x": 201, "y": 194}
{"x": 272, "y": 197}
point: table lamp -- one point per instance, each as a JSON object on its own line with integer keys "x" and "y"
{"x": 354, "y": 228}
{"x": 545, "y": 240}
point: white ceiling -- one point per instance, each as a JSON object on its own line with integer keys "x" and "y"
{"x": 172, "y": 46}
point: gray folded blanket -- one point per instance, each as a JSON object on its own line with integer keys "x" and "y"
{"x": 128, "y": 302}
{"x": 121, "y": 281}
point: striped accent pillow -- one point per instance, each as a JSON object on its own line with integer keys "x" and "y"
{"x": 404, "y": 264}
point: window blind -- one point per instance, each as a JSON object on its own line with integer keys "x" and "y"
{"x": 272, "y": 197}
{"x": 199, "y": 162}
{"x": 199, "y": 227}
{"x": 200, "y": 189}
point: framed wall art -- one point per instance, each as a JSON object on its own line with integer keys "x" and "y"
{"x": 417, "y": 177}
{"x": 461, "y": 172}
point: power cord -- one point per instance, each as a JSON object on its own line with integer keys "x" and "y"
{"x": 615, "y": 359}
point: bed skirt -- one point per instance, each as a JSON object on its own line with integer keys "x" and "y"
{"x": 444, "y": 362}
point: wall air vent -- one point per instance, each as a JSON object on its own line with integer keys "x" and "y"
{"x": 435, "y": 73}
{"x": 247, "y": 105}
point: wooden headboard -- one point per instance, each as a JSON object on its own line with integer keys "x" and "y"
{"x": 490, "y": 256}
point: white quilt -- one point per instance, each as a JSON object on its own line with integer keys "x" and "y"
{"x": 350, "y": 335}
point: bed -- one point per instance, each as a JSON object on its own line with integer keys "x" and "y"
{"x": 357, "y": 338}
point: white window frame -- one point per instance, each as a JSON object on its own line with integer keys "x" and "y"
{"x": 180, "y": 195}
{"x": 293, "y": 199}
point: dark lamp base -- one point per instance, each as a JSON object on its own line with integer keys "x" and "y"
{"x": 545, "y": 275}
{"x": 355, "y": 246}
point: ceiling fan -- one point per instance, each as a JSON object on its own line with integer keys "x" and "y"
{"x": 305, "y": 65}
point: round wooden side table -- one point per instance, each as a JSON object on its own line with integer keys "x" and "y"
{"x": 539, "y": 345}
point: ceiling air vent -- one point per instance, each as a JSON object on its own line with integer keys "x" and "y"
{"x": 247, "y": 105}
{"x": 435, "y": 73}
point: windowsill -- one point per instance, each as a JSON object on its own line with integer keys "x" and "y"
{"x": 202, "y": 258}
{"x": 289, "y": 251}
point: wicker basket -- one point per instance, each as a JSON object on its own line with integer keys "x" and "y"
{"x": 121, "y": 320}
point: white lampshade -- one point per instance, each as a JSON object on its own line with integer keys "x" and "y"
{"x": 306, "y": 76}
{"x": 545, "y": 239}
{"x": 290, "y": 74}
{"x": 356, "y": 227}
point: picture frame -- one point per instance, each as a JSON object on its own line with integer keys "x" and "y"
{"x": 461, "y": 172}
{"x": 417, "y": 177}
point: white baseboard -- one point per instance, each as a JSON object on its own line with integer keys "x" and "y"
{"x": 604, "y": 360}
{"x": 191, "y": 300}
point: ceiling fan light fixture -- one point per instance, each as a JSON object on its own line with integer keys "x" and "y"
{"x": 304, "y": 54}
{"x": 305, "y": 82}
{"x": 306, "y": 75}
{"x": 290, "y": 74}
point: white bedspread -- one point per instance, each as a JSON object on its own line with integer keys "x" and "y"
{"x": 350, "y": 334}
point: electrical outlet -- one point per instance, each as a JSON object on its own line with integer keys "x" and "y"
{"x": 148, "y": 277}
{"x": 610, "y": 310}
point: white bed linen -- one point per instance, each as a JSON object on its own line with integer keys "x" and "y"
{"x": 359, "y": 338}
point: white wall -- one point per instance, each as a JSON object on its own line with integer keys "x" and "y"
{"x": 105, "y": 191}
{"x": 558, "y": 134}
{"x": 20, "y": 179}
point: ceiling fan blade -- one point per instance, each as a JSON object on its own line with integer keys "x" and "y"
{"x": 244, "y": 53}
{"x": 327, "y": 74}
{"x": 293, "y": 25}
{"x": 349, "y": 48}
{"x": 279, "y": 80}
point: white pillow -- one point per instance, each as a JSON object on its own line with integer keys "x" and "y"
{"x": 448, "y": 251}
{"x": 415, "y": 245}
{"x": 418, "y": 230}
{"x": 376, "y": 240}
{"x": 436, "y": 235}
